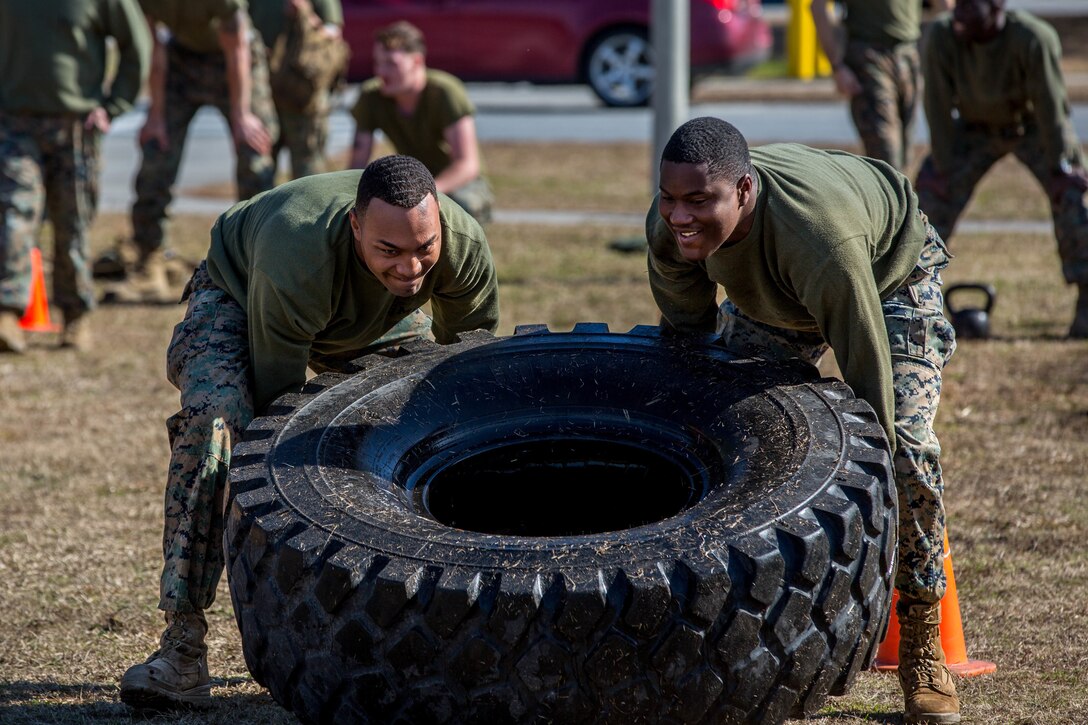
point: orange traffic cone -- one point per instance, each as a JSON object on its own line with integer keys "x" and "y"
{"x": 36, "y": 317}
{"x": 955, "y": 650}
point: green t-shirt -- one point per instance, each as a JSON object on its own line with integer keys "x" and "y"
{"x": 832, "y": 235}
{"x": 1016, "y": 77}
{"x": 444, "y": 101}
{"x": 269, "y": 19}
{"x": 883, "y": 22}
{"x": 194, "y": 24}
{"x": 287, "y": 256}
{"x": 53, "y": 55}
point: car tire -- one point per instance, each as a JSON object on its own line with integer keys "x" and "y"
{"x": 570, "y": 527}
{"x": 619, "y": 67}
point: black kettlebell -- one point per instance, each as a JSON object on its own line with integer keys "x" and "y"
{"x": 971, "y": 322}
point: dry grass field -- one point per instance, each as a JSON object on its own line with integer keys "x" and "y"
{"x": 83, "y": 455}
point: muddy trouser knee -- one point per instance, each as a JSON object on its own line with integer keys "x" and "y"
{"x": 476, "y": 198}
{"x": 922, "y": 340}
{"x": 208, "y": 361}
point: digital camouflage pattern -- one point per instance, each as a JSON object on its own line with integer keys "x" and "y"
{"x": 884, "y": 110}
{"x": 476, "y": 198}
{"x": 977, "y": 148}
{"x": 48, "y": 166}
{"x": 922, "y": 341}
{"x": 208, "y": 362}
{"x": 305, "y": 135}
{"x": 194, "y": 80}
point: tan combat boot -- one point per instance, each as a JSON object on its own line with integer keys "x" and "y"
{"x": 12, "y": 337}
{"x": 146, "y": 283}
{"x": 76, "y": 332}
{"x": 177, "y": 673}
{"x": 928, "y": 689}
{"x": 1079, "y": 329}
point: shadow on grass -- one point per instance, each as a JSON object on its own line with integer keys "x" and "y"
{"x": 860, "y": 715}
{"x": 27, "y": 703}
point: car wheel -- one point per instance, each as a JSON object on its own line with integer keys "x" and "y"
{"x": 619, "y": 67}
{"x": 567, "y": 527}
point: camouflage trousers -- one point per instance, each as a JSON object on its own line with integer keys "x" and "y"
{"x": 476, "y": 198}
{"x": 48, "y": 166}
{"x": 922, "y": 341}
{"x": 977, "y": 149}
{"x": 304, "y": 135}
{"x": 194, "y": 80}
{"x": 884, "y": 110}
{"x": 208, "y": 362}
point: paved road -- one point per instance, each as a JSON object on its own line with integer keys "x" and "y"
{"x": 506, "y": 113}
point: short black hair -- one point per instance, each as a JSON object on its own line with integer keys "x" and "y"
{"x": 398, "y": 180}
{"x": 711, "y": 141}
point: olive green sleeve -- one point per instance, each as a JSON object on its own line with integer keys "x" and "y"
{"x": 1047, "y": 94}
{"x": 128, "y": 27}
{"x": 847, "y": 309}
{"x": 939, "y": 96}
{"x": 467, "y": 295}
{"x": 281, "y": 334}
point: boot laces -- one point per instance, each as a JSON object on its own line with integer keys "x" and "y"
{"x": 923, "y": 665}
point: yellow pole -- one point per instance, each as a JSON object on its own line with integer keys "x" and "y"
{"x": 801, "y": 41}
{"x": 805, "y": 58}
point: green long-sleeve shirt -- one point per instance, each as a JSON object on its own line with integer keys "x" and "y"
{"x": 287, "y": 256}
{"x": 1015, "y": 77}
{"x": 194, "y": 24}
{"x": 53, "y": 55}
{"x": 270, "y": 20}
{"x": 884, "y": 22}
{"x": 832, "y": 235}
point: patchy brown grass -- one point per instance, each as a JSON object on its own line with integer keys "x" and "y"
{"x": 83, "y": 456}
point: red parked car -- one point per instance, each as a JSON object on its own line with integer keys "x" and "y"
{"x": 599, "y": 42}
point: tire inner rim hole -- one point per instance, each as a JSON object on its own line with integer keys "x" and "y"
{"x": 559, "y": 488}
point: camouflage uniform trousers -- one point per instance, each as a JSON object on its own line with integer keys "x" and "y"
{"x": 194, "y": 80}
{"x": 979, "y": 148}
{"x": 922, "y": 341}
{"x": 305, "y": 134}
{"x": 208, "y": 362}
{"x": 884, "y": 111}
{"x": 476, "y": 198}
{"x": 48, "y": 165}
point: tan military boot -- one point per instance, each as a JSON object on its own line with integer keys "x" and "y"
{"x": 12, "y": 337}
{"x": 176, "y": 675}
{"x": 928, "y": 689}
{"x": 1079, "y": 329}
{"x": 76, "y": 332}
{"x": 147, "y": 283}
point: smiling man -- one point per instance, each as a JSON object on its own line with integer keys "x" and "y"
{"x": 311, "y": 274}
{"x": 817, "y": 248}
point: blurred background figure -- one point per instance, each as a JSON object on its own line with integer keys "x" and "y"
{"x": 53, "y": 112}
{"x": 424, "y": 113}
{"x": 205, "y": 54}
{"x": 873, "y": 49}
{"x": 994, "y": 86}
{"x": 307, "y": 57}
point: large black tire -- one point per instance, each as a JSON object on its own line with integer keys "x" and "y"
{"x": 577, "y": 527}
